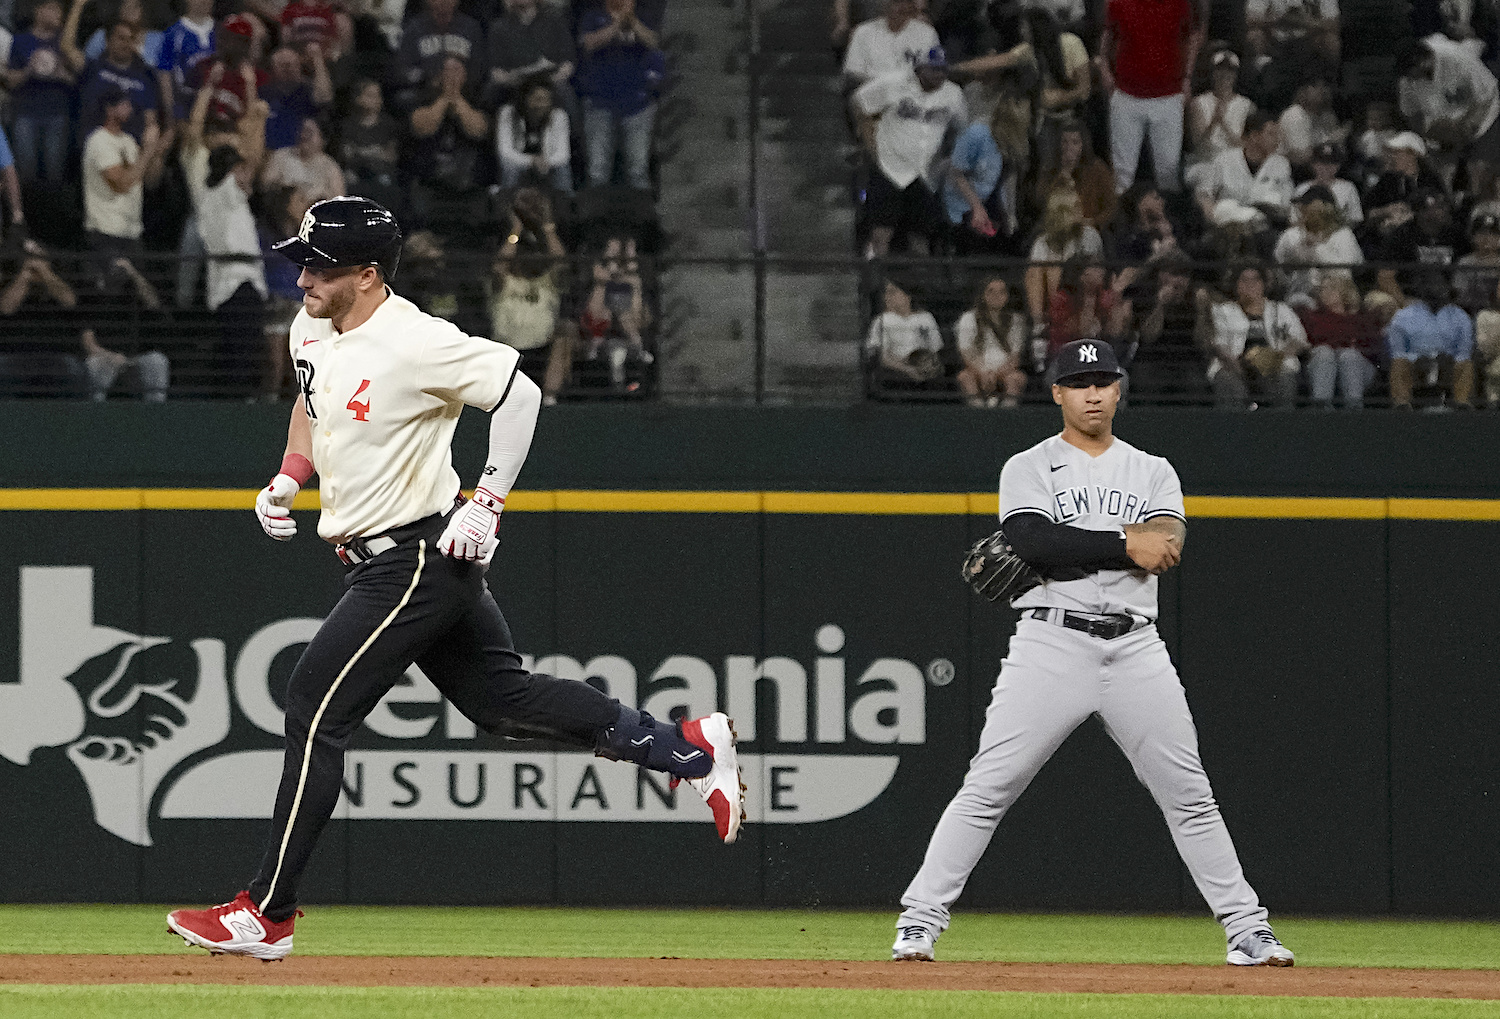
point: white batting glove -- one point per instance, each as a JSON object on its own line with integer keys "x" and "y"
{"x": 470, "y": 534}
{"x": 273, "y": 507}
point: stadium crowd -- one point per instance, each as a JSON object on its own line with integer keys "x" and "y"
{"x": 1252, "y": 204}
{"x": 193, "y": 134}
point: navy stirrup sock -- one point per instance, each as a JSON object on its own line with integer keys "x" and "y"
{"x": 660, "y": 746}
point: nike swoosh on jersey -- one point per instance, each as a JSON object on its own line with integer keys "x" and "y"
{"x": 1058, "y": 468}
{"x": 313, "y": 340}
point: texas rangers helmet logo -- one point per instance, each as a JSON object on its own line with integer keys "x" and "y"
{"x": 1088, "y": 352}
{"x": 304, "y": 232}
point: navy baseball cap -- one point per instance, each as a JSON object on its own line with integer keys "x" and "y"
{"x": 1084, "y": 357}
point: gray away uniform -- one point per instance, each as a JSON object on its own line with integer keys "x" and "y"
{"x": 1054, "y": 677}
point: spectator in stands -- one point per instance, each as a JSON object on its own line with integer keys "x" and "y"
{"x": 41, "y": 349}
{"x": 10, "y": 183}
{"x": 1487, "y": 348}
{"x": 148, "y": 40}
{"x": 239, "y": 86}
{"x": 1146, "y": 59}
{"x": 1345, "y": 344}
{"x": 1084, "y": 307}
{"x": 115, "y": 168}
{"x": 305, "y": 166}
{"x": 532, "y": 138}
{"x": 41, "y": 94}
{"x": 971, "y": 191}
{"x": 450, "y": 133}
{"x": 1168, "y": 366}
{"x": 291, "y": 98}
{"x": 119, "y": 67}
{"x": 526, "y": 42}
{"x": 1429, "y": 237}
{"x": 1216, "y": 118}
{"x": 1252, "y": 177}
{"x": 1006, "y": 69}
{"x": 428, "y": 42}
{"x": 621, "y": 70}
{"x": 615, "y": 318}
{"x": 1063, "y": 235}
{"x": 1388, "y": 202}
{"x": 992, "y": 342}
{"x": 308, "y": 25}
{"x": 527, "y": 293}
{"x": 905, "y": 343}
{"x": 220, "y": 180}
{"x": 1290, "y": 40}
{"x": 49, "y": 347}
{"x": 882, "y": 46}
{"x": 1326, "y": 160}
{"x": 1370, "y": 146}
{"x": 1308, "y": 123}
{"x": 1255, "y": 344}
{"x": 427, "y": 282}
{"x": 283, "y": 214}
{"x": 1149, "y": 232}
{"x": 370, "y": 149}
{"x": 186, "y": 44}
{"x": 1431, "y": 341}
{"x": 1478, "y": 272}
{"x": 906, "y": 119}
{"x": 1065, "y": 82}
{"x": 1448, "y": 95}
{"x": 1319, "y": 238}
{"x": 1074, "y": 167}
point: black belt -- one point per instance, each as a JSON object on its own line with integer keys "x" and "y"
{"x": 1105, "y": 627}
{"x": 362, "y": 550}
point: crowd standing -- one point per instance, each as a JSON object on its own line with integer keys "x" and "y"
{"x": 518, "y": 131}
{"x": 1256, "y": 204}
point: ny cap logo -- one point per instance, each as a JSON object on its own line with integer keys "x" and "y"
{"x": 304, "y": 232}
{"x": 1088, "y": 352}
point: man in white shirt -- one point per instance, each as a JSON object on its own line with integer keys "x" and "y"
{"x": 1309, "y": 122}
{"x": 885, "y": 45}
{"x": 1326, "y": 160}
{"x": 1254, "y": 176}
{"x": 114, "y": 166}
{"x": 1448, "y": 94}
{"x": 905, "y": 120}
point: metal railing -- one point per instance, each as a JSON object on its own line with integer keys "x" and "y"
{"x": 779, "y": 330}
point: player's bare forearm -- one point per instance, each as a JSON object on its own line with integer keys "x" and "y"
{"x": 1168, "y": 525}
{"x": 299, "y": 433}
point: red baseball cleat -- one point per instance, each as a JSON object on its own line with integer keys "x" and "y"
{"x": 721, "y": 787}
{"x": 235, "y": 928}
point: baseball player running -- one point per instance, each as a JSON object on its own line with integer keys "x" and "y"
{"x": 383, "y": 385}
{"x": 1086, "y": 505}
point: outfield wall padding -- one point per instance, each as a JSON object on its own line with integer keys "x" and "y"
{"x": 1339, "y": 671}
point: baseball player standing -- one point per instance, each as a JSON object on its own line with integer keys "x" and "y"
{"x": 383, "y": 385}
{"x": 1086, "y": 505}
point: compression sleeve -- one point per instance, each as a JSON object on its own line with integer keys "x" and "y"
{"x": 512, "y": 425}
{"x": 1046, "y": 545}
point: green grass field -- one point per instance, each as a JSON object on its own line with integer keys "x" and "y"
{"x": 762, "y": 934}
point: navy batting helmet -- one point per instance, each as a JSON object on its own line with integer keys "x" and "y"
{"x": 345, "y": 232}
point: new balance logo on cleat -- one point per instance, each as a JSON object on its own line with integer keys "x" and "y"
{"x": 235, "y": 928}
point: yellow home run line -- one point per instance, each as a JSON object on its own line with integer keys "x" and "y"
{"x": 1237, "y": 507}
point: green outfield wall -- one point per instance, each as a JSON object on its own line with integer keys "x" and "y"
{"x": 1331, "y": 621}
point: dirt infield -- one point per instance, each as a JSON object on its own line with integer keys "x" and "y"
{"x": 469, "y": 971}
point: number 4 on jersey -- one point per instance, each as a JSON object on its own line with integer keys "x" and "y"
{"x": 361, "y": 410}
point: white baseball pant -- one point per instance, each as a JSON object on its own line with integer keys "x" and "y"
{"x": 1133, "y": 120}
{"x": 1050, "y": 681}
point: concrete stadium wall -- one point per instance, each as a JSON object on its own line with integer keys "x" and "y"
{"x": 1335, "y": 654}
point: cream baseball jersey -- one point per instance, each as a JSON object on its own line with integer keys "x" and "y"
{"x": 382, "y": 401}
{"x": 1120, "y": 486}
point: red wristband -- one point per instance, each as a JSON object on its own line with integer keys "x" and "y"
{"x": 297, "y": 467}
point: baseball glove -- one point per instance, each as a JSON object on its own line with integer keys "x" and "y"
{"x": 993, "y": 569}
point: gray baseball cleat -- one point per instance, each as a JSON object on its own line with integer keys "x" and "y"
{"x": 1259, "y": 948}
{"x": 913, "y": 944}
